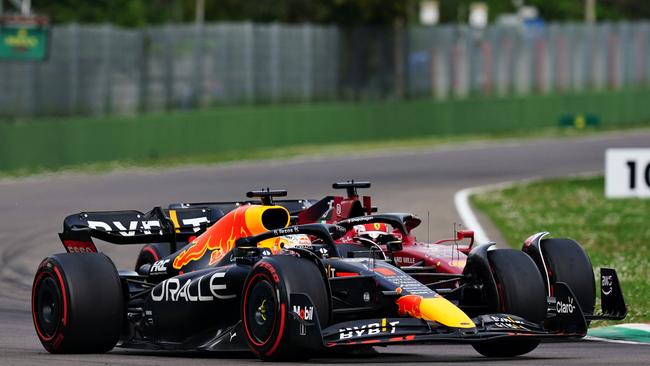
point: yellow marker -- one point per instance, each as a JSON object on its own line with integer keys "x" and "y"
{"x": 172, "y": 215}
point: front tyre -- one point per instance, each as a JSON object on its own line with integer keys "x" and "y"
{"x": 266, "y": 306}
{"x": 567, "y": 262}
{"x": 77, "y": 303}
{"x": 521, "y": 292}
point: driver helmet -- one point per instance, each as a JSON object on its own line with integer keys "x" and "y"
{"x": 371, "y": 231}
{"x": 295, "y": 241}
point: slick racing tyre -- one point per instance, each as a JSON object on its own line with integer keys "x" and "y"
{"x": 521, "y": 292}
{"x": 265, "y": 306}
{"x": 567, "y": 262}
{"x": 151, "y": 253}
{"x": 77, "y": 303}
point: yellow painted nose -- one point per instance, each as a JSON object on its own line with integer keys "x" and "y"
{"x": 436, "y": 309}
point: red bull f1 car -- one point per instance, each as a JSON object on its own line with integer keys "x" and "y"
{"x": 246, "y": 279}
{"x": 557, "y": 259}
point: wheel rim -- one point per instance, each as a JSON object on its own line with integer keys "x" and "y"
{"x": 262, "y": 311}
{"x": 48, "y": 306}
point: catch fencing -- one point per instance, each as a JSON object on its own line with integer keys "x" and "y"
{"x": 101, "y": 70}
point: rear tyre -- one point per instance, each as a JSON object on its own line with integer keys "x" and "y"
{"x": 77, "y": 303}
{"x": 569, "y": 263}
{"x": 521, "y": 292}
{"x": 265, "y": 306}
{"x": 151, "y": 253}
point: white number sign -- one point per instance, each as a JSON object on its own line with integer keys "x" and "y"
{"x": 627, "y": 173}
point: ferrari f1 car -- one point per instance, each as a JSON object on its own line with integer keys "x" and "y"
{"x": 251, "y": 281}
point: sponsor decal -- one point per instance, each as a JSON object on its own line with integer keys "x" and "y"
{"x": 565, "y": 307}
{"x": 323, "y": 252}
{"x": 159, "y": 267}
{"x": 202, "y": 244}
{"x": 144, "y": 226}
{"x": 410, "y": 285}
{"x": 286, "y": 231}
{"x": 304, "y": 312}
{"x": 507, "y": 322}
{"x": 345, "y": 240}
{"x": 173, "y": 290}
{"x": 271, "y": 269}
{"x": 73, "y": 246}
{"x": 384, "y": 327}
{"x": 606, "y": 284}
{"x": 220, "y": 238}
{"x": 353, "y": 220}
{"x": 80, "y": 250}
{"x": 410, "y": 305}
{"x": 405, "y": 260}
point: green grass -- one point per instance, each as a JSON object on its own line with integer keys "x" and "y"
{"x": 316, "y": 150}
{"x": 615, "y": 233}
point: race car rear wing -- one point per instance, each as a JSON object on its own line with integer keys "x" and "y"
{"x": 134, "y": 227}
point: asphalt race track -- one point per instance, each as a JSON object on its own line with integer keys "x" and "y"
{"x": 423, "y": 181}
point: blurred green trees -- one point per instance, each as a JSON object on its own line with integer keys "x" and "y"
{"x": 133, "y": 13}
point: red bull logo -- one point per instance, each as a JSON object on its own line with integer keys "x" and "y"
{"x": 410, "y": 305}
{"x": 220, "y": 238}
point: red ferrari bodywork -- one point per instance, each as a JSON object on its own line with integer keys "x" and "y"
{"x": 443, "y": 256}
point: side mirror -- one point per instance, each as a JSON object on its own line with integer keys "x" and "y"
{"x": 465, "y": 234}
{"x": 394, "y": 246}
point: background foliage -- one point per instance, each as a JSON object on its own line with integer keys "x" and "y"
{"x": 135, "y": 13}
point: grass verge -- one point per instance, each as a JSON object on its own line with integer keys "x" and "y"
{"x": 614, "y": 233}
{"x": 321, "y": 150}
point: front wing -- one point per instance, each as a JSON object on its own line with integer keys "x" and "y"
{"x": 408, "y": 330}
{"x": 562, "y": 322}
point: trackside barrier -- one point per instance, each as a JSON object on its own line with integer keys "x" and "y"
{"x": 53, "y": 144}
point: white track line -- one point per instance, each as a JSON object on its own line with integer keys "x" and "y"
{"x": 461, "y": 200}
{"x": 469, "y": 219}
{"x": 467, "y": 215}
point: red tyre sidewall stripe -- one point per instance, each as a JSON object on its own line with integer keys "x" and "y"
{"x": 38, "y": 330}
{"x": 63, "y": 293}
{"x": 64, "y": 322}
{"x": 153, "y": 252}
{"x": 247, "y": 331}
{"x": 279, "y": 337}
